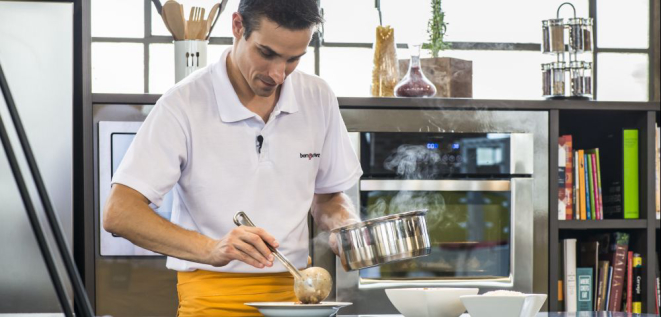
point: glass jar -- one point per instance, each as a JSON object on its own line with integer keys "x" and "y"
{"x": 385, "y": 72}
{"x": 558, "y": 79}
{"x": 553, "y": 32}
{"x": 415, "y": 84}
{"x": 581, "y": 79}
{"x": 580, "y": 34}
{"x": 547, "y": 82}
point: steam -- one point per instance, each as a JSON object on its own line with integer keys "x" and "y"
{"x": 414, "y": 162}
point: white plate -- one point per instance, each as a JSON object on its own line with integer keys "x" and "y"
{"x": 291, "y": 309}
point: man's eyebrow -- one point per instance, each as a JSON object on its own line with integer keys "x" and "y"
{"x": 272, "y": 52}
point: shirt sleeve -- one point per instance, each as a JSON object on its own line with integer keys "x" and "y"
{"x": 339, "y": 168}
{"x": 153, "y": 162}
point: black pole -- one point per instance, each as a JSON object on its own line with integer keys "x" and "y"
{"x": 80, "y": 297}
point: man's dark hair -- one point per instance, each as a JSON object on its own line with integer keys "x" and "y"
{"x": 290, "y": 14}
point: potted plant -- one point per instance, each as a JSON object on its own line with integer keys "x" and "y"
{"x": 452, "y": 77}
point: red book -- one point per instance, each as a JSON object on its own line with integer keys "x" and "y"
{"x": 569, "y": 177}
{"x": 629, "y": 281}
{"x": 620, "y": 249}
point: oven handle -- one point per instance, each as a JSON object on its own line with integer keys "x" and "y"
{"x": 436, "y": 185}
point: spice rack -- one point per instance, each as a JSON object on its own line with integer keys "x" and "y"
{"x": 579, "y": 33}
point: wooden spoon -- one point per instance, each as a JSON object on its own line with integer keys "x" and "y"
{"x": 214, "y": 14}
{"x": 174, "y": 19}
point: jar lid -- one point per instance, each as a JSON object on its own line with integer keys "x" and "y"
{"x": 576, "y": 64}
{"x": 556, "y": 22}
{"x": 558, "y": 65}
{"x": 546, "y": 66}
{"x": 579, "y": 21}
{"x": 587, "y": 65}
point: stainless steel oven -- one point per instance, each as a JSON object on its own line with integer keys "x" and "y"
{"x": 476, "y": 172}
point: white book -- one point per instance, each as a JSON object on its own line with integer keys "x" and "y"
{"x": 570, "y": 275}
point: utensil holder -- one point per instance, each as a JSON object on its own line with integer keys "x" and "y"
{"x": 189, "y": 56}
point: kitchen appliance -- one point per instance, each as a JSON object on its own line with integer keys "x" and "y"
{"x": 579, "y": 33}
{"x": 115, "y": 137}
{"x": 384, "y": 239}
{"x": 474, "y": 172}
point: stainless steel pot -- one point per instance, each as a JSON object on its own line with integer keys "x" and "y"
{"x": 381, "y": 240}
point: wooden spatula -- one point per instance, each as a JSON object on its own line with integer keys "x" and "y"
{"x": 174, "y": 19}
{"x": 214, "y": 14}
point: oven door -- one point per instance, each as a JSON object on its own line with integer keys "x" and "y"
{"x": 480, "y": 232}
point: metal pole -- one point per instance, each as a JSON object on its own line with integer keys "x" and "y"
{"x": 80, "y": 297}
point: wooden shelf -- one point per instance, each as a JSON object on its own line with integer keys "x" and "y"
{"x": 602, "y": 224}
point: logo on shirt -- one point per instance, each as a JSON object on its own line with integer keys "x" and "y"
{"x": 310, "y": 156}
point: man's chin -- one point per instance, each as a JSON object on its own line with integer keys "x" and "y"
{"x": 264, "y": 91}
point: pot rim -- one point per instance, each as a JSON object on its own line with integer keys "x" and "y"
{"x": 419, "y": 212}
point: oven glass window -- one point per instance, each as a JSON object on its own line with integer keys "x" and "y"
{"x": 469, "y": 232}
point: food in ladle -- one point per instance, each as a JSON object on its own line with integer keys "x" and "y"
{"x": 313, "y": 286}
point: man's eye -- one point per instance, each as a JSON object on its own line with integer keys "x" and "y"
{"x": 294, "y": 60}
{"x": 266, "y": 54}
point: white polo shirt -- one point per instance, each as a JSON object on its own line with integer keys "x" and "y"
{"x": 200, "y": 140}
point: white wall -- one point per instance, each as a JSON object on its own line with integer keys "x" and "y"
{"x": 36, "y": 54}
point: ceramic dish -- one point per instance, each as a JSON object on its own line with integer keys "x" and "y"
{"x": 291, "y": 309}
{"x": 429, "y": 302}
{"x": 525, "y": 305}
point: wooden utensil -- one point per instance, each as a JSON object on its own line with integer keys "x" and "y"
{"x": 175, "y": 20}
{"x": 165, "y": 21}
{"x": 215, "y": 12}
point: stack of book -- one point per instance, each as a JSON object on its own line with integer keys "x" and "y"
{"x": 580, "y": 192}
{"x": 601, "y": 275}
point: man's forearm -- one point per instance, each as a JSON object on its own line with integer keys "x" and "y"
{"x": 333, "y": 210}
{"x": 131, "y": 218}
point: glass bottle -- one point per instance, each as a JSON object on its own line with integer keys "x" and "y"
{"x": 385, "y": 73}
{"x": 415, "y": 84}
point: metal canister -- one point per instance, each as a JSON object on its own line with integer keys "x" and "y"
{"x": 581, "y": 79}
{"x": 553, "y": 33}
{"x": 381, "y": 240}
{"x": 580, "y": 34}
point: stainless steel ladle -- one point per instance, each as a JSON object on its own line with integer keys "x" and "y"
{"x": 311, "y": 285}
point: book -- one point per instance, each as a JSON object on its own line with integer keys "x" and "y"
{"x": 637, "y": 296}
{"x": 619, "y": 248}
{"x": 577, "y": 188}
{"x": 658, "y": 173}
{"x": 609, "y": 287}
{"x": 581, "y": 177}
{"x": 569, "y": 183}
{"x": 630, "y": 173}
{"x": 588, "y": 257}
{"x": 599, "y": 191}
{"x": 629, "y": 301}
{"x": 570, "y": 274}
{"x": 585, "y": 289}
{"x": 604, "y": 267}
{"x": 588, "y": 206}
{"x": 597, "y": 196}
{"x": 562, "y": 191}
{"x": 591, "y": 187}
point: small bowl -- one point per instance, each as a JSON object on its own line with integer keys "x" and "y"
{"x": 526, "y": 305}
{"x": 429, "y": 302}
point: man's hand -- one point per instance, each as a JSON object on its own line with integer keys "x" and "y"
{"x": 246, "y": 244}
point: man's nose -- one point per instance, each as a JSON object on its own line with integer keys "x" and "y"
{"x": 277, "y": 72}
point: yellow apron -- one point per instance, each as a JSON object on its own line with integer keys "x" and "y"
{"x": 205, "y": 293}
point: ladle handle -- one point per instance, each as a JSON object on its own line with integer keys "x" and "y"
{"x": 292, "y": 269}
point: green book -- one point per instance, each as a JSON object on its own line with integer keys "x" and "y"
{"x": 630, "y": 173}
{"x": 593, "y": 210}
{"x": 584, "y": 289}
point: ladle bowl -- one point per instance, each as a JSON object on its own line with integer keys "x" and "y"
{"x": 311, "y": 285}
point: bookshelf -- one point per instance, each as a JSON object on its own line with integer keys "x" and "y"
{"x": 590, "y": 128}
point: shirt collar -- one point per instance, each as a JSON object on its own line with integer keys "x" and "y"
{"x": 230, "y": 107}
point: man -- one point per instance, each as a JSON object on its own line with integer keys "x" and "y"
{"x": 246, "y": 133}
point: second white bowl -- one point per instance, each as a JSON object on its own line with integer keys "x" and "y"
{"x": 429, "y": 302}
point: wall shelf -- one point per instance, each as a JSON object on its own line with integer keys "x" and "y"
{"x": 602, "y": 224}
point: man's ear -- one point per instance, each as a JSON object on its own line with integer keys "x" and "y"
{"x": 237, "y": 25}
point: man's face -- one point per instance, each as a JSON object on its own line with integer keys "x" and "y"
{"x": 269, "y": 54}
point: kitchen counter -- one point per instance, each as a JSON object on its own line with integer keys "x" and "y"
{"x": 581, "y": 314}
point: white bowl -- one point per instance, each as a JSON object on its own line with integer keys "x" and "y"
{"x": 429, "y": 302}
{"x": 526, "y": 305}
